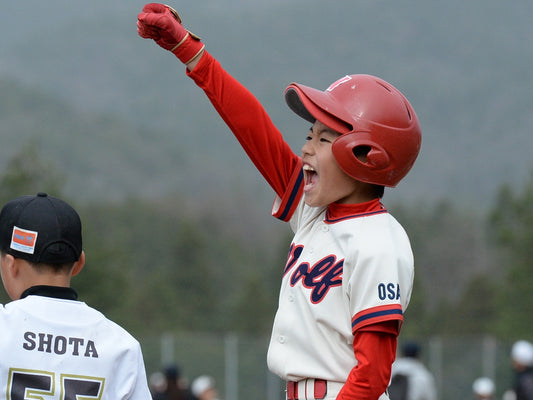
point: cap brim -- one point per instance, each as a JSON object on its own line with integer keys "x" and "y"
{"x": 312, "y": 104}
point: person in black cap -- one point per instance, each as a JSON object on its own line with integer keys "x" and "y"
{"x": 51, "y": 342}
{"x": 176, "y": 388}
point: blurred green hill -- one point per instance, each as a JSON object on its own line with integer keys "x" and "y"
{"x": 120, "y": 115}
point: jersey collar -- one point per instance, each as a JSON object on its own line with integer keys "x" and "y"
{"x": 339, "y": 212}
{"x": 58, "y": 292}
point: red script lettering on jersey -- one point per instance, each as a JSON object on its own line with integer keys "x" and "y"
{"x": 320, "y": 277}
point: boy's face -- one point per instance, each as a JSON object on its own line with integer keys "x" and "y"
{"x": 325, "y": 182}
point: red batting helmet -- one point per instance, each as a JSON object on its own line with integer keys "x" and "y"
{"x": 373, "y": 118}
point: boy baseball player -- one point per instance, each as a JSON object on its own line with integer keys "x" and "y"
{"x": 349, "y": 272}
{"x": 54, "y": 346}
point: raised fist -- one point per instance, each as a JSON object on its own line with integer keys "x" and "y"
{"x": 163, "y": 24}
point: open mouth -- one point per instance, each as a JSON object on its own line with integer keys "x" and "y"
{"x": 310, "y": 177}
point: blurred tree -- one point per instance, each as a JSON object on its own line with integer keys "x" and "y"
{"x": 104, "y": 282}
{"x": 510, "y": 222}
{"x": 474, "y": 313}
{"x": 161, "y": 263}
{"x": 450, "y": 249}
{"x": 416, "y": 316}
{"x": 190, "y": 275}
{"x": 27, "y": 173}
{"x": 124, "y": 262}
{"x": 256, "y": 301}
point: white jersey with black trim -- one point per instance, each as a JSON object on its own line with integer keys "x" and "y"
{"x": 341, "y": 274}
{"x": 63, "y": 349}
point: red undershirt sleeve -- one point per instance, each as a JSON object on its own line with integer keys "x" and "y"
{"x": 375, "y": 351}
{"x": 249, "y": 122}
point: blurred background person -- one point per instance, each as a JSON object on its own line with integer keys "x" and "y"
{"x": 410, "y": 379}
{"x": 522, "y": 364}
{"x": 204, "y": 388}
{"x": 483, "y": 389}
{"x": 176, "y": 388}
{"x": 158, "y": 385}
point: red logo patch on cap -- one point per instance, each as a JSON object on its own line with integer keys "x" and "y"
{"x": 23, "y": 240}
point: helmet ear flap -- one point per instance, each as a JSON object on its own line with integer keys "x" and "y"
{"x": 377, "y": 158}
{"x": 359, "y": 156}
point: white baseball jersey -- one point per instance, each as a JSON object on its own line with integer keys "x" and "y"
{"x": 58, "y": 349}
{"x": 347, "y": 268}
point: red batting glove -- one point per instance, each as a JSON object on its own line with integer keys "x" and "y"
{"x": 163, "y": 24}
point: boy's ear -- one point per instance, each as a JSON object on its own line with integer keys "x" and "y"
{"x": 78, "y": 265}
{"x": 10, "y": 265}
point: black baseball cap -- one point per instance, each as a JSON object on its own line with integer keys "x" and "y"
{"x": 40, "y": 229}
